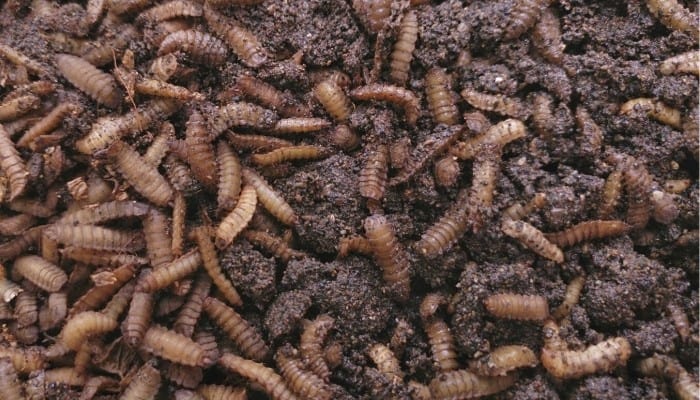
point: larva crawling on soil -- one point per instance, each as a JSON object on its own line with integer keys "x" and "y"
{"x": 229, "y": 171}
{"x": 273, "y": 245}
{"x": 299, "y": 125}
{"x": 138, "y": 318}
{"x": 311, "y": 345}
{"x": 333, "y": 99}
{"x": 655, "y": 109}
{"x": 397, "y": 95}
{"x": 210, "y": 260}
{"x": 518, "y": 307}
{"x": 174, "y": 347}
{"x": 532, "y": 238}
{"x": 237, "y": 219}
{"x": 269, "y": 198}
{"x": 302, "y": 382}
{"x": 248, "y": 340}
{"x": 638, "y": 184}
{"x": 664, "y": 209}
{"x": 592, "y": 136}
{"x": 145, "y": 384}
{"x": 500, "y": 134}
{"x": 602, "y": 357}
{"x": 265, "y": 377}
{"x": 447, "y": 230}
{"x": 518, "y": 211}
{"x": 373, "y": 176}
{"x": 571, "y": 297}
{"x": 485, "y": 172}
{"x": 40, "y": 272}
{"x": 677, "y": 186}
{"x": 48, "y": 123}
{"x": 672, "y": 14}
{"x": 510, "y": 107}
{"x": 20, "y": 59}
{"x": 389, "y": 255}
{"x": 447, "y": 171}
{"x": 95, "y": 237}
{"x": 504, "y": 359}
{"x": 546, "y": 36}
{"x": 256, "y": 142}
{"x": 291, "y": 153}
{"x": 685, "y": 63}
{"x": 155, "y": 87}
{"x": 386, "y": 362}
{"x": 610, "y": 197}
{"x": 373, "y": 13}
{"x": 100, "y": 86}
{"x": 684, "y": 384}
{"x": 441, "y": 99}
{"x": 462, "y": 384}
{"x": 402, "y": 53}
{"x": 12, "y": 165}
{"x": 242, "y": 41}
{"x": 585, "y": 231}
{"x": 441, "y": 343}
{"x": 169, "y": 10}
{"x": 241, "y": 114}
{"x": 83, "y": 325}
{"x": 200, "y": 46}
{"x": 680, "y": 320}
{"x": 200, "y": 151}
{"x": 11, "y": 109}
{"x": 271, "y": 97}
{"x": 354, "y": 244}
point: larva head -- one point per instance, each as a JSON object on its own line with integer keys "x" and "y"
{"x": 374, "y": 222}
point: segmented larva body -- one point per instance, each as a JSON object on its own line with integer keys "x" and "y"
{"x": 237, "y": 219}
{"x": 485, "y": 172}
{"x": 397, "y": 95}
{"x": 504, "y": 359}
{"x": 302, "y": 382}
{"x": 138, "y": 318}
{"x": 16, "y": 224}
{"x": 274, "y": 245}
{"x": 386, "y": 362}
{"x": 229, "y": 170}
{"x": 291, "y": 153}
{"x": 164, "y": 67}
{"x": 269, "y": 198}
{"x": 297, "y": 125}
{"x": 373, "y": 13}
{"x": 602, "y": 357}
{"x": 24, "y": 359}
{"x": 221, "y": 392}
{"x": 259, "y": 374}
{"x": 638, "y": 183}
{"x": 447, "y": 171}
{"x": 462, "y": 384}
{"x": 389, "y": 255}
{"x": 158, "y": 242}
{"x": 518, "y": 307}
{"x": 178, "y": 226}
{"x": 200, "y": 151}
{"x": 98, "y": 295}
{"x": 447, "y": 230}
{"x": 441, "y": 99}
{"x": 311, "y": 345}
{"x": 191, "y": 310}
{"x": 680, "y": 320}
{"x": 94, "y": 237}
{"x": 681, "y": 64}
{"x": 672, "y": 14}
{"x": 184, "y": 375}
{"x": 585, "y": 231}
{"x": 155, "y": 87}
{"x": 256, "y": 142}
{"x": 10, "y": 386}
{"x": 571, "y": 296}
{"x": 169, "y": 10}
{"x": 84, "y": 325}
{"x": 16, "y": 107}
{"x": 210, "y": 260}
{"x": 180, "y": 175}
{"x": 518, "y": 211}
{"x": 26, "y": 309}
{"x": 500, "y": 134}
{"x": 402, "y": 54}
{"x": 498, "y": 103}
{"x": 40, "y": 272}
{"x": 546, "y": 36}
{"x": 441, "y": 344}
{"x": 8, "y": 289}
{"x": 242, "y": 41}
{"x": 655, "y": 109}
{"x": 100, "y": 86}
{"x": 174, "y": 347}
{"x": 144, "y": 385}
{"x": 610, "y": 197}
{"x": 201, "y": 47}
{"x": 271, "y": 97}
{"x": 354, "y": 244}
{"x": 684, "y": 385}
{"x": 373, "y": 176}
{"x": 664, "y": 209}
{"x": 533, "y": 239}
{"x": 238, "y": 329}
{"x": 119, "y": 302}
{"x": 12, "y": 165}
{"x": 523, "y": 16}
{"x": 144, "y": 178}
{"x": 333, "y": 99}
{"x": 48, "y": 123}
{"x": 20, "y": 59}
{"x": 591, "y": 134}
{"x": 243, "y": 115}
{"x": 104, "y": 212}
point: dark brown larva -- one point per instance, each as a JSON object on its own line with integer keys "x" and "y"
{"x": 373, "y": 176}
{"x": 441, "y": 343}
{"x": 98, "y": 295}
{"x": 591, "y": 134}
{"x": 498, "y": 103}
{"x": 523, "y": 16}
{"x": 672, "y": 14}
{"x": 404, "y": 98}
{"x": 585, "y": 231}
{"x": 229, "y": 171}
{"x": 83, "y": 325}
{"x": 271, "y": 97}
{"x": 237, "y": 219}
{"x": 638, "y": 183}
{"x": 291, "y": 153}
{"x": 333, "y": 99}
{"x": 158, "y": 242}
{"x": 12, "y": 165}
{"x": 683, "y": 63}
{"x": 16, "y": 107}
{"x": 243, "y": 115}
{"x": 602, "y": 357}
{"x": 256, "y": 142}
{"x": 104, "y": 212}
{"x": 485, "y": 173}
{"x": 95, "y": 237}
{"x": 386, "y": 362}
{"x": 190, "y": 311}
{"x": 100, "y": 86}
{"x": 249, "y": 341}
{"x": 269, "y": 198}
{"x": 462, "y": 384}
{"x": 174, "y": 347}
{"x": 48, "y": 123}
{"x": 311, "y": 345}
{"x": 210, "y": 260}
{"x": 200, "y": 46}
{"x": 302, "y": 382}
{"x": 655, "y": 109}
{"x": 40, "y": 272}
{"x": 265, "y": 377}
{"x": 402, "y": 53}
{"x": 138, "y": 318}
{"x": 243, "y": 42}
{"x": 144, "y": 385}
{"x": 373, "y": 13}
{"x": 200, "y": 151}
{"x": 10, "y": 385}
{"x": 546, "y": 36}
{"x": 441, "y": 99}
{"x": 169, "y": 10}
{"x": 533, "y": 238}
{"x": 389, "y": 255}
{"x": 571, "y": 296}
{"x": 516, "y": 306}
{"x": 500, "y": 134}
{"x": 504, "y": 359}
{"x": 447, "y": 230}
{"x": 273, "y": 245}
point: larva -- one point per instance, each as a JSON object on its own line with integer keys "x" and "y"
{"x": 270, "y": 97}
{"x": 100, "y": 86}
{"x": 158, "y": 242}
{"x": 32, "y": 206}
{"x": 273, "y": 245}
{"x": 585, "y": 231}
{"x": 683, "y": 383}
{"x": 518, "y": 307}
{"x": 119, "y": 7}
{"x": 120, "y": 301}
{"x": 155, "y": 87}
{"x": 25, "y": 359}
{"x": 543, "y": 115}
{"x": 238, "y": 329}
{"x": 170, "y": 272}
{"x": 532, "y": 238}
{"x": 256, "y": 142}
{"x": 174, "y": 347}
{"x": 16, "y": 107}
{"x": 447, "y": 171}
{"x": 680, "y": 320}
{"x": 501, "y": 134}
{"x": 12, "y": 165}
{"x": 523, "y": 16}
{"x": 681, "y": 64}
{"x": 84, "y": 325}
{"x": 510, "y": 107}
{"x": 404, "y": 98}
{"x": 241, "y": 114}
{"x": 242, "y": 41}
{"x": 447, "y": 230}
{"x": 103, "y": 53}
{"x": 354, "y": 244}
{"x": 441, "y": 99}
{"x": 677, "y": 186}
{"x": 402, "y": 53}
{"x": 654, "y": 109}
{"x": 591, "y": 134}
{"x": 419, "y": 391}
{"x": 485, "y": 172}
{"x": 373, "y": 176}
{"x": 20, "y": 59}
{"x": 311, "y": 345}
{"x": 26, "y": 309}
{"x": 98, "y": 295}
{"x": 108, "y": 129}
{"x": 144, "y": 385}
{"x": 374, "y": 13}
{"x": 546, "y": 37}
{"x": 443, "y": 138}
{"x": 180, "y": 176}
{"x": 344, "y": 138}
{"x": 201, "y": 47}
{"x": 184, "y": 375}
{"x": 221, "y": 392}
{"x": 269, "y": 198}
{"x": 10, "y": 386}
{"x": 8, "y": 289}
{"x": 518, "y": 211}
{"x": 333, "y": 99}
{"x": 16, "y": 224}
{"x": 302, "y": 382}
{"x": 144, "y": 178}
{"x": 95, "y": 237}
{"x": 386, "y": 362}
{"x": 48, "y": 123}
{"x": 101, "y": 258}
{"x": 200, "y": 151}
{"x": 610, "y": 196}
{"x": 138, "y": 318}
{"x": 259, "y": 374}
{"x": 164, "y": 67}
{"x": 237, "y": 219}
{"x": 299, "y": 125}
{"x": 229, "y": 171}
{"x": 389, "y": 255}
{"x": 604, "y": 356}
{"x": 168, "y": 304}
{"x": 169, "y": 10}
{"x": 291, "y": 153}
{"x": 571, "y": 296}
{"x": 24, "y": 334}
{"x": 672, "y": 14}
{"x": 504, "y": 359}
{"x": 104, "y": 212}
{"x": 462, "y": 384}
{"x": 190, "y": 311}
{"x": 40, "y": 272}
{"x": 664, "y": 209}
{"x": 441, "y": 344}
{"x": 638, "y": 183}
{"x": 210, "y": 259}
{"x": 178, "y": 224}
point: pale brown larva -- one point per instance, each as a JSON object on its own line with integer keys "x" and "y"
{"x": 104, "y": 212}
{"x": 546, "y": 36}
{"x": 602, "y": 357}
{"x": 192, "y": 308}
{"x": 95, "y": 237}
{"x": 386, "y": 362}
{"x": 164, "y": 67}
{"x": 158, "y": 242}
{"x": 441, "y": 99}
{"x": 680, "y": 320}
{"x": 518, "y": 211}
{"x": 333, "y": 99}
{"x": 256, "y": 142}
{"x": 273, "y": 245}
{"x": 229, "y": 171}
{"x": 40, "y": 272}
{"x": 220, "y": 392}
{"x": 373, "y": 176}
{"x": 638, "y": 184}
{"x": 11, "y": 109}
{"x": 237, "y": 219}
{"x": 291, "y": 153}
{"x": 104, "y": 53}
{"x": 8, "y": 289}
{"x": 311, "y": 345}
{"x": 354, "y": 244}
{"x": 200, "y": 46}
{"x": 238, "y": 329}
{"x": 169, "y": 10}
{"x": 243, "y": 42}
{"x": 83, "y": 325}
{"x": 98, "y": 295}
{"x": 655, "y": 109}
{"x": 10, "y": 386}
{"x": 585, "y": 231}
{"x": 241, "y": 114}
{"x": 54, "y": 311}
{"x": 373, "y": 13}
{"x": 271, "y": 97}
{"x": 138, "y": 318}
{"x": 501, "y": 134}
{"x": 485, "y": 172}
{"x": 610, "y": 196}
{"x": 12, "y": 165}
{"x": 683, "y": 63}
{"x": 684, "y": 384}
{"x": 269, "y": 198}
{"x": 302, "y": 382}
{"x": 26, "y": 310}
{"x": 523, "y": 16}
{"x": 389, "y": 255}
{"x": 299, "y": 125}
{"x": 18, "y": 58}
{"x": 591, "y": 134}
{"x": 677, "y": 186}
{"x": 48, "y": 123}
{"x": 155, "y": 87}
{"x": 533, "y": 238}
{"x": 447, "y": 171}
{"x": 672, "y": 14}
{"x": 184, "y": 375}
{"x": 180, "y": 175}
{"x": 403, "y": 98}
{"x": 571, "y": 296}
{"x": 265, "y": 377}
{"x": 504, "y": 359}
{"x": 16, "y": 224}
{"x": 144, "y": 384}
{"x": 100, "y": 86}
{"x": 462, "y": 384}
{"x": 178, "y": 226}
{"x": 210, "y": 260}
{"x": 447, "y": 230}
{"x": 518, "y": 307}
{"x": 200, "y": 151}
{"x": 501, "y": 104}
{"x": 664, "y": 209}
{"x": 441, "y": 344}
{"x": 174, "y": 347}
{"x": 101, "y": 258}
{"x": 402, "y": 53}
{"x": 120, "y": 301}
